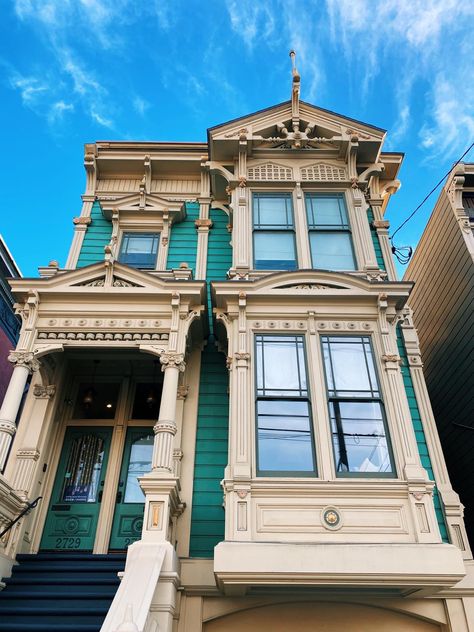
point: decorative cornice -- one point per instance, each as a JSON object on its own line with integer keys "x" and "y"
{"x": 44, "y": 392}
{"x": 90, "y": 336}
{"x": 25, "y": 359}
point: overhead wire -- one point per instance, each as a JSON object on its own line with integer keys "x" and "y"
{"x": 404, "y": 253}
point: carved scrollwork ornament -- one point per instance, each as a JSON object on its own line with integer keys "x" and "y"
{"x": 44, "y": 392}
{"x": 24, "y": 358}
{"x": 169, "y": 359}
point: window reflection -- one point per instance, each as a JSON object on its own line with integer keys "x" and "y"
{"x": 360, "y": 441}
{"x": 139, "y": 464}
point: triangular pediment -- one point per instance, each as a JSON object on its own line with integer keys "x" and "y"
{"x": 325, "y": 121}
{"x": 100, "y": 278}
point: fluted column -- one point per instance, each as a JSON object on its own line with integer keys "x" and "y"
{"x": 165, "y": 428}
{"x": 25, "y": 363}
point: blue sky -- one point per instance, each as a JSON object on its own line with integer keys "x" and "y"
{"x": 76, "y": 71}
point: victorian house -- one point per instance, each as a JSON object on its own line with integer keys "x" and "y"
{"x": 443, "y": 311}
{"x": 227, "y": 399}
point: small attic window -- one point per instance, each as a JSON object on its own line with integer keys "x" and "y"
{"x": 139, "y": 250}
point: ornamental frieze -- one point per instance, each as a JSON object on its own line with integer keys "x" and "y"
{"x": 112, "y": 323}
{"x": 100, "y": 335}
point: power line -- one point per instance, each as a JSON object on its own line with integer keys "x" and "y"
{"x": 403, "y": 253}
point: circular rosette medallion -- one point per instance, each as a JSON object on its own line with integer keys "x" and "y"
{"x": 137, "y": 525}
{"x": 71, "y": 526}
{"x": 331, "y": 518}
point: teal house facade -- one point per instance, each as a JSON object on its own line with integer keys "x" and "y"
{"x": 228, "y": 426}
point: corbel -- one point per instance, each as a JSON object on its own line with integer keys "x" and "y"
{"x": 90, "y": 166}
{"x": 175, "y": 318}
{"x": 351, "y": 156}
{"x": 148, "y": 174}
{"x": 142, "y": 194}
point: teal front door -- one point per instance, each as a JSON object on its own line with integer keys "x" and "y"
{"x": 77, "y": 493}
{"x": 130, "y": 501}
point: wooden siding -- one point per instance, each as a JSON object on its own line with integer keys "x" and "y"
{"x": 208, "y": 517}
{"x": 97, "y": 236}
{"x": 131, "y": 185}
{"x": 420, "y": 433}
{"x": 376, "y": 241}
{"x": 183, "y": 240}
{"x": 443, "y": 309}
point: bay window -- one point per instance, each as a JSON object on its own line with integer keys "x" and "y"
{"x": 360, "y": 440}
{"x": 329, "y": 232}
{"x": 273, "y": 232}
{"x": 284, "y": 426}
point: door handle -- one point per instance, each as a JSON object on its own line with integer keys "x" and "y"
{"x": 99, "y": 497}
{"x": 119, "y": 497}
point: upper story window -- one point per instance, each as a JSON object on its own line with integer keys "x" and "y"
{"x": 284, "y": 428}
{"x": 139, "y": 250}
{"x": 273, "y": 232}
{"x": 329, "y": 232}
{"x": 360, "y": 439}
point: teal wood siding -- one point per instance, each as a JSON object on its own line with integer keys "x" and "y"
{"x": 219, "y": 255}
{"x": 375, "y": 241}
{"x": 208, "y": 518}
{"x": 183, "y": 240}
{"x": 419, "y": 432}
{"x": 207, "y": 522}
{"x": 97, "y": 236}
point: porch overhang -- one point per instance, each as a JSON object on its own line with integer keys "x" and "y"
{"x": 398, "y": 569}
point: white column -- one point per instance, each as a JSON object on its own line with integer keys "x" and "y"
{"x": 25, "y": 363}
{"x": 165, "y": 428}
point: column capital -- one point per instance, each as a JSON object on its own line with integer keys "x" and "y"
{"x": 24, "y": 358}
{"x": 172, "y": 360}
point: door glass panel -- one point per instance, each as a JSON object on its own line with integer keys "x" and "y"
{"x": 82, "y": 476}
{"x": 96, "y": 401}
{"x": 139, "y": 464}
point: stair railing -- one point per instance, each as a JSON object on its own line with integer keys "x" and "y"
{"x": 29, "y": 507}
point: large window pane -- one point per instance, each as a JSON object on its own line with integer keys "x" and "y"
{"x": 274, "y": 250}
{"x": 326, "y": 210}
{"x": 361, "y": 444}
{"x": 284, "y": 436}
{"x": 332, "y": 250}
{"x": 280, "y": 366}
{"x": 272, "y": 211}
{"x": 139, "y": 464}
{"x": 359, "y": 437}
{"x": 349, "y": 367}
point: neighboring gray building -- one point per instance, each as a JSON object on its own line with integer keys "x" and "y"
{"x": 442, "y": 301}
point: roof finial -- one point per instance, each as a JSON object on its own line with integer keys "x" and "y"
{"x": 295, "y": 93}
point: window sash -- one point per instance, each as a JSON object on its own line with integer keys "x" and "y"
{"x": 338, "y": 255}
{"x": 360, "y": 437}
{"x": 271, "y": 257}
{"x": 283, "y": 408}
{"x": 134, "y": 251}
{"x": 333, "y": 219}
{"x": 274, "y": 243}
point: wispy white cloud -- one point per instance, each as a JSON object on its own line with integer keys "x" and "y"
{"x": 31, "y": 88}
{"x": 140, "y": 105}
{"x": 422, "y": 41}
{"x": 251, "y": 20}
{"x": 58, "y": 109}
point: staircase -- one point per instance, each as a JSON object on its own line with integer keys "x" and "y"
{"x": 59, "y": 592}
